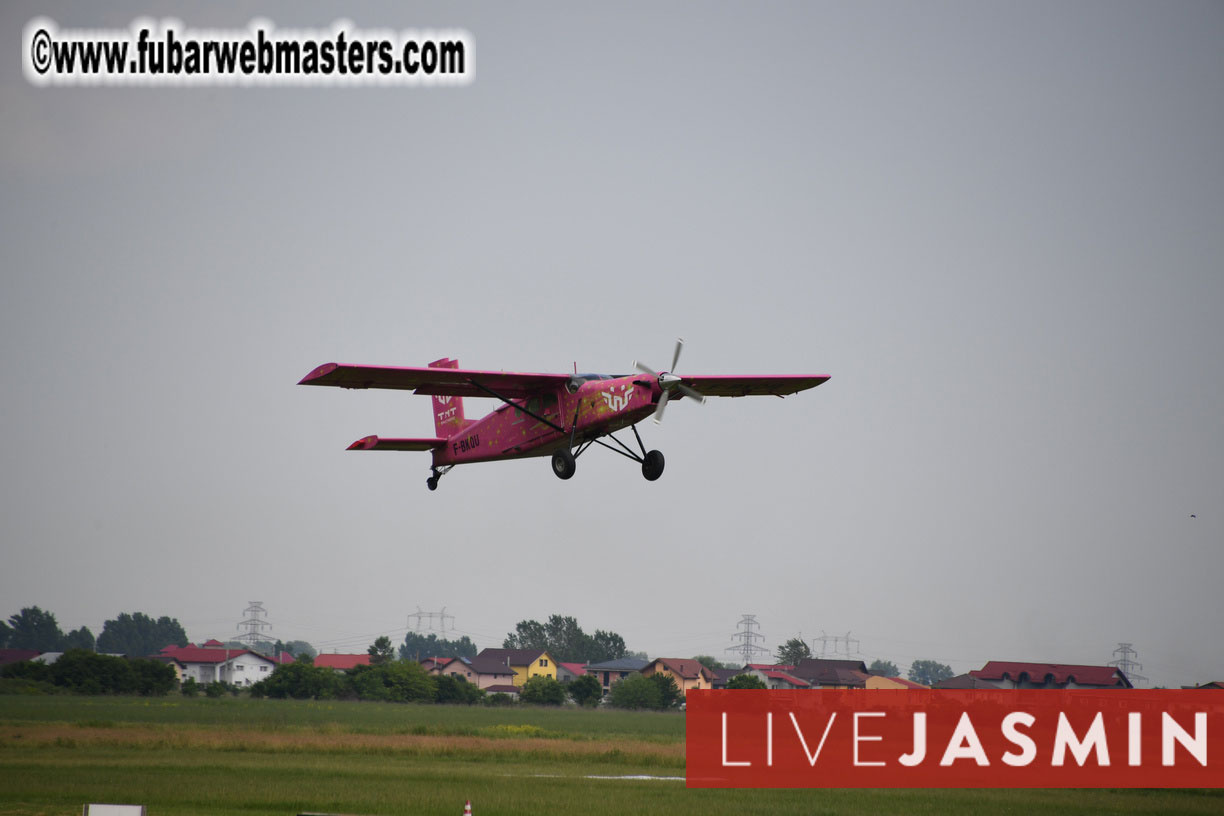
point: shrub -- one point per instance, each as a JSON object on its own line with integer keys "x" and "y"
{"x": 457, "y": 690}
{"x": 541, "y": 690}
{"x": 398, "y": 681}
{"x": 670, "y": 695}
{"x": 301, "y": 681}
{"x": 22, "y": 685}
{"x": 634, "y": 692}
{"x": 585, "y": 690}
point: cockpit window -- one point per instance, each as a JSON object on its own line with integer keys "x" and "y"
{"x": 576, "y": 381}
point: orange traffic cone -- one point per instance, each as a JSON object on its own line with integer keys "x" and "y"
{"x": 467, "y": 808}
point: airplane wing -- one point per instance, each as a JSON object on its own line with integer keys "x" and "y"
{"x": 753, "y": 385}
{"x": 452, "y": 382}
{"x": 375, "y": 443}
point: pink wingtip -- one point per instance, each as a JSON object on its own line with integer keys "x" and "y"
{"x": 321, "y": 371}
{"x": 365, "y": 443}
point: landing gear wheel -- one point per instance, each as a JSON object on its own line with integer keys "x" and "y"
{"x": 432, "y": 482}
{"x": 652, "y": 465}
{"x": 563, "y": 464}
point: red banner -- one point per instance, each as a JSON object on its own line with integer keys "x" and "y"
{"x": 1031, "y": 738}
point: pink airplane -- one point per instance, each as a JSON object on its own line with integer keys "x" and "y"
{"x": 557, "y": 415}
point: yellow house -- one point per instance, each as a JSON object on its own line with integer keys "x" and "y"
{"x": 688, "y": 674}
{"x": 526, "y": 663}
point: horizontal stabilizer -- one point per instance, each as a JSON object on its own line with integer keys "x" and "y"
{"x": 376, "y": 443}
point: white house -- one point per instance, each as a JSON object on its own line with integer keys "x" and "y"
{"x": 215, "y": 663}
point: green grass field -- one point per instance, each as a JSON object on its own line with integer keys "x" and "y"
{"x": 278, "y": 757}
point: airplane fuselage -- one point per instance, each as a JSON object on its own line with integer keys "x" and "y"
{"x": 594, "y": 408}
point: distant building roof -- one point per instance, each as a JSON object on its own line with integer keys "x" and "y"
{"x": 576, "y": 669}
{"x": 437, "y": 662}
{"x": 213, "y": 644}
{"x": 822, "y": 672}
{"x": 1059, "y": 673}
{"x": 341, "y": 662}
{"x": 502, "y": 689}
{"x": 8, "y": 656}
{"x": 1214, "y": 684}
{"x": 773, "y": 674}
{"x": 513, "y": 657}
{"x": 203, "y": 654}
{"x": 686, "y": 669}
{"x": 630, "y": 664}
{"x": 964, "y": 681}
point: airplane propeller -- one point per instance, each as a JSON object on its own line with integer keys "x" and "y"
{"x": 668, "y": 381}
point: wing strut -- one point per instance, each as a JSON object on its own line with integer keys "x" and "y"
{"x": 516, "y": 405}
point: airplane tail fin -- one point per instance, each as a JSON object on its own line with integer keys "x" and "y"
{"x": 448, "y": 411}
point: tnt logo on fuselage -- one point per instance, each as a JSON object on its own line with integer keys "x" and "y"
{"x": 618, "y": 402}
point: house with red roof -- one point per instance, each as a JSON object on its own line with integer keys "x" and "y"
{"x": 8, "y": 656}
{"x": 688, "y": 674}
{"x": 778, "y": 679}
{"x": 342, "y": 662}
{"x": 568, "y": 672}
{"x": 776, "y": 676}
{"x": 212, "y": 664}
{"x": 1011, "y": 674}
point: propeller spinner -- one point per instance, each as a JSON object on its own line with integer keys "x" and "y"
{"x": 669, "y": 381}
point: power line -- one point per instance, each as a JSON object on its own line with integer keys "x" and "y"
{"x": 836, "y": 645}
{"x": 429, "y": 616}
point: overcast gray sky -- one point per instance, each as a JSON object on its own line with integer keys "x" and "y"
{"x": 998, "y": 227}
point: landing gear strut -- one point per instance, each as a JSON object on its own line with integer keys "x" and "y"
{"x": 437, "y": 473}
{"x": 564, "y": 460}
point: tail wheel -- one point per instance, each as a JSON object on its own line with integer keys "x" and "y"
{"x": 563, "y": 464}
{"x": 432, "y": 482}
{"x": 652, "y": 465}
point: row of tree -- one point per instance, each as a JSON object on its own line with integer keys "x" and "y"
{"x": 388, "y": 680}
{"x": 134, "y": 634}
{"x": 131, "y": 634}
{"x": 83, "y": 672}
{"x": 405, "y": 681}
{"x": 563, "y": 638}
